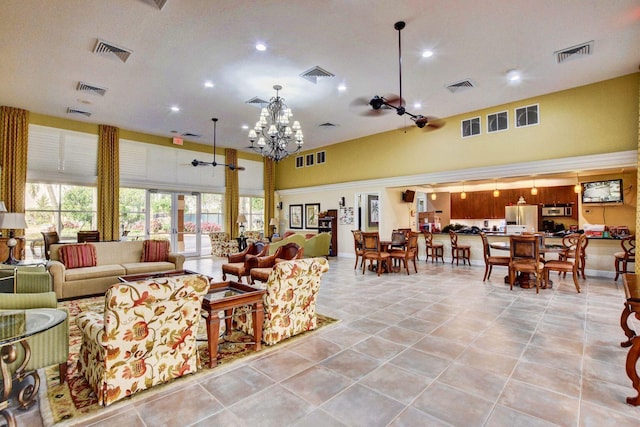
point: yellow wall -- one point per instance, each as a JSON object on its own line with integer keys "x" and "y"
{"x": 593, "y": 119}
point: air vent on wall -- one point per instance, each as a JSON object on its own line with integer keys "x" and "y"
{"x": 76, "y": 111}
{"x": 313, "y": 74}
{"x": 256, "y": 101}
{"x": 191, "y": 135}
{"x": 85, "y": 87}
{"x": 573, "y": 52}
{"x": 108, "y": 49}
{"x": 460, "y": 86}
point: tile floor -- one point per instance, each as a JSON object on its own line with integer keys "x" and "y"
{"x": 437, "y": 348}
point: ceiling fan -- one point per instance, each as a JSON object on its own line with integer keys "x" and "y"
{"x": 381, "y": 103}
{"x": 231, "y": 166}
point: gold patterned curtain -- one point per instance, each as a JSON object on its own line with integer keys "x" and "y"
{"x": 14, "y": 137}
{"x": 109, "y": 182}
{"x": 232, "y": 194}
{"x": 269, "y": 177}
{"x": 636, "y": 266}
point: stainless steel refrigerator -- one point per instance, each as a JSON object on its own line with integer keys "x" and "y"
{"x": 525, "y": 215}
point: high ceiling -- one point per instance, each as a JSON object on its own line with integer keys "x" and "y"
{"x": 47, "y": 49}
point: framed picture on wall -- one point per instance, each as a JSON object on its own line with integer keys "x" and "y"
{"x": 311, "y": 211}
{"x": 295, "y": 216}
{"x": 373, "y": 210}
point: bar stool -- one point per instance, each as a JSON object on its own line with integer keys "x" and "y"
{"x": 628, "y": 255}
{"x": 434, "y": 250}
{"x": 459, "y": 251}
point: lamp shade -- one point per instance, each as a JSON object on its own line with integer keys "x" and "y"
{"x": 273, "y": 222}
{"x": 12, "y": 221}
{"x": 241, "y": 219}
{"x": 3, "y": 208}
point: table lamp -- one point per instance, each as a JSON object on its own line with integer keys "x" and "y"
{"x": 12, "y": 221}
{"x": 241, "y": 220}
{"x": 273, "y": 223}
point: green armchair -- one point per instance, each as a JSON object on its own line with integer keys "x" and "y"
{"x": 48, "y": 348}
{"x": 317, "y": 246}
{"x": 26, "y": 279}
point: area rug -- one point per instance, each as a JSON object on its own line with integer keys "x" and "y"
{"x": 74, "y": 399}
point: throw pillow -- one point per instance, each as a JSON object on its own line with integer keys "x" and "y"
{"x": 76, "y": 256}
{"x": 155, "y": 250}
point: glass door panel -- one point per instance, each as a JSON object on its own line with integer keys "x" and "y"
{"x": 161, "y": 217}
{"x": 175, "y": 217}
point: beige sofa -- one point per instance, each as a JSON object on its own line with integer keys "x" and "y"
{"x": 113, "y": 259}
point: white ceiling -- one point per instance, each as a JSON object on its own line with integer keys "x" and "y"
{"x": 47, "y": 48}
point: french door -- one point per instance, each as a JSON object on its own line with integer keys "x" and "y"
{"x": 175, "y": 216}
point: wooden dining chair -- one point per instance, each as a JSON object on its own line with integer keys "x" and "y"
{"x": 628, "y": 255}
{"x": 525, "y": 258}
{"x": 50, "y": 237}
{"x": 409, "y": 253}
{"x": 372, "y": 252}
{"x": 398, "y": 239}
{"x": 570, "y": 242}
{"x": 564, "y": 265}
{"x": 489, "y": 260}
{"x": 357, "y": 246}
{"x": 433, "y": 249}
{"x": 459, "y": 251}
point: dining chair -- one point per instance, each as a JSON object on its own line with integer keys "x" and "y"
{"x": 357, "y": 246}
{"x": 49, "y": 237}
{"x": 372, "y": 252}
{"x": 433, "y": 249}
{"x": 489, "y": 260}
{"x": 563, "y": 265}
{"x": 569, "y": 242}
{"x": 88, "y": 236}
{"x": 398, "y": 239}
{"x": 628, "y": 255}
{"x": 525, "y": 258}
{"x": 459, "y": 251}
{"x": 409, "y": 253}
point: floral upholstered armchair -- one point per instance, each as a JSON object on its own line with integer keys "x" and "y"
{"x": 290, "y": 300}
{"x": 221, "y": 245}
{"x": 146, "y": 336}
{"x": 253, "y": 236}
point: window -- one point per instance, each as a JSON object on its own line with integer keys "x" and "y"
{"x": 471, "y": 127}
{"x": 253, "y": 209}
{"x": 497, "y": 122}
{"x": 59, "y": 207}
{"x": 321, "y": 157}
{"x": 299, "y": 161}
{"x": 132, "y": 212}
{"x": 211, "y": 214}
{"x": 527, "y": 116}
{"x": 310, "y": 159}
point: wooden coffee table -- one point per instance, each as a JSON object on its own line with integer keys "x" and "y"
{"x": 225, "y": 296}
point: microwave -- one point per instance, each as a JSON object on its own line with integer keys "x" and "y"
{"x": 557, "y": 211}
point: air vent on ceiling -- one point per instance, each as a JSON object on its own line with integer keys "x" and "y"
{"x": 573, "y": 52}
{"x": 85, "y": 87}
{"x": 159, "y": 3}
{"x": 327, "y": 125}
{"x": 76, "y": 111}
{"x": 256, "y": 101}
{"x": 313, "y": 74}
{"x": 191, "y": 135}
{"x": 460, "y": 86}
{"x": 108, "y": 49}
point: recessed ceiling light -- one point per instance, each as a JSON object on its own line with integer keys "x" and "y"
{"x": 417, "y": 105}
{"x": 245, "y": 127}
{"x": 427, "y": 54}
{"x": 514, "y": 76}
{"x": 175, "y": 109}
{"x": 261, "y": 47}
{"x": 342, "y": 88}
{"x": 208, "y": 83}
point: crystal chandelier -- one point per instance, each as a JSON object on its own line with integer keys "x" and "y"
{"x": 272, "y": 134}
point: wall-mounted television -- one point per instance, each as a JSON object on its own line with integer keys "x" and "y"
{"x": 408, "y": 195}
{"x": 606, "y": 191}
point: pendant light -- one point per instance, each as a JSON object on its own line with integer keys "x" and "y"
{"x": 496, "y": 192}
{"x": 577, "y": 188}
{"x": 534, "y": 190}
{"x": 463, "y": 195}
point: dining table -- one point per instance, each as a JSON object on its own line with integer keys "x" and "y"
{"x": 524, "y": 279}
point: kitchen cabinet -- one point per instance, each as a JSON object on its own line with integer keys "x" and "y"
{"x": 482, "y": 204}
